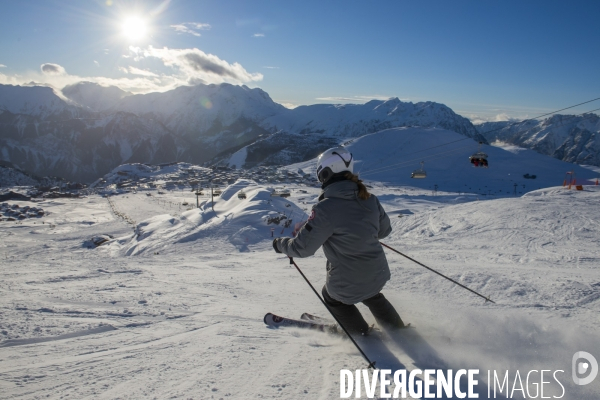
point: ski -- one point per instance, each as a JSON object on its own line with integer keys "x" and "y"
{"x": 321, "y": 320}
{"x": 316, "y": 319}
{"x": 276, "y": 321}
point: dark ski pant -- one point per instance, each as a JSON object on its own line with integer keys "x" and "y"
{"x": 348, "y": 315}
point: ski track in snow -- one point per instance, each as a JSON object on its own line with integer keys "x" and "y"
{"x": 183, "y": 318}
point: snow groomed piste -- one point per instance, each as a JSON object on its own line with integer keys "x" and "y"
{"x": 172, "y": 306}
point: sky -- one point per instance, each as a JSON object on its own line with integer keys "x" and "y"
{"x": 487, "y": 60}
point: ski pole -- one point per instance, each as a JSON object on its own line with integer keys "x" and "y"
{"x": 442, "y": 275}
{"x": 371, "y": 363}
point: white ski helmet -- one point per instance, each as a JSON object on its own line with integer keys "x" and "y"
{"x": 333, "y": 161}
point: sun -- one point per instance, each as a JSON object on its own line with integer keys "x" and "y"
{"x": 134, "y": 28}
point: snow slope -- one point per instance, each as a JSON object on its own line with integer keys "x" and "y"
{"x": 183, "y": 316}
{"x": 391, "y": 155}
{"x": 172, "y": 304}
{"x": 243, "y": 222}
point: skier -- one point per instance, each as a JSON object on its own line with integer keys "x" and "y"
{"x": 348, "y": 222}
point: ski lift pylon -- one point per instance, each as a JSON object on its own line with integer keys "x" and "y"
{"x": 571, "y": 176}
{"x": 419, "y": 173}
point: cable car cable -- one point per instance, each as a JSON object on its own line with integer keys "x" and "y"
{"x": 407, "y": 162}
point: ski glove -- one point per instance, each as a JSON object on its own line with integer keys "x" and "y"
{"x": 275, "y": 246}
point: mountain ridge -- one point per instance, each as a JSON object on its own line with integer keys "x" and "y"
{"x": 571, "y": 138}
{"x": 85, "y": 130}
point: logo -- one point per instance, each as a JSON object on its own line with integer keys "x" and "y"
{"x": 312, "y": 215}
{"x": 347, "y": 163}
{"x": 581, "y": 368}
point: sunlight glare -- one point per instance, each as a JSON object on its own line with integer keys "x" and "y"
{"x": 134, "y": 28}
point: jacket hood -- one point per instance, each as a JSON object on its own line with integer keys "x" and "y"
{"x": 342, "y": 190}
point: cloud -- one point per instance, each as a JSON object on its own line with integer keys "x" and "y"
{"x": 196, "y": 64}
{"x": 477, "y": 119}
{"x": 191, "y": 27}
{"x": 479, "y": 113}
{"x": 2, "y": 66}
{"x": 267, "y": 67}
{"x": 52, "y": 69}
{"x": 503, "y": 117}
{"x": 96, "y": 63}
{"x": 258, "y": 35}
{"x": 135, "y": 53}
{"x": 199, "y": 25}
{"x": 136, "y": 71}
{"x": 141, "y": 72}
{"x": 185, "y": 29}
{"x": 181, "y": 67}
{"x": 9, "y": 80}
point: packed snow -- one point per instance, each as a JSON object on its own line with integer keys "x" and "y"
{"x": 169, "y": 302}
{"x": 391, "y": 155}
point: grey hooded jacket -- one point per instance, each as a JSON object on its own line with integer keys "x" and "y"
{"x": 349, "y": 230}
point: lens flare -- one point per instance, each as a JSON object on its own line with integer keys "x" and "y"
{"x": 161, "y": 7}
{"x": 206, "y": 103}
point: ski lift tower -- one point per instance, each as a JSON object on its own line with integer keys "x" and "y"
{"x": 571, "y": 176}
{"x": 198, "y": 193}
{"x": 212, "y": 196}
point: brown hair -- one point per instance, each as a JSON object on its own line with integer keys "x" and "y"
{"x": 363, "y": 193}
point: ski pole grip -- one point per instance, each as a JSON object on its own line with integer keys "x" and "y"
{"x": 291, "y": 261}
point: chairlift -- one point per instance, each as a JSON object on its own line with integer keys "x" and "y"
{"x": 217, "y": 192}
{"x": 198, "y": 191}
{"x": 280, "y": 193}
{"x": 479, "y": 159}
{"x": 419, "y": 173}
{"x": 241, "y": 195}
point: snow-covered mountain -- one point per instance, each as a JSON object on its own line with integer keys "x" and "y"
{"x": 94, "y": 96}
{"x": 86, "y": 130}
{"x": 571, "y": 138}
{"x": 80, "y": 145}
{"x": 36, "y": 101}
{"x": 10, "y": 176}
{"x": 306, "y": 131}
